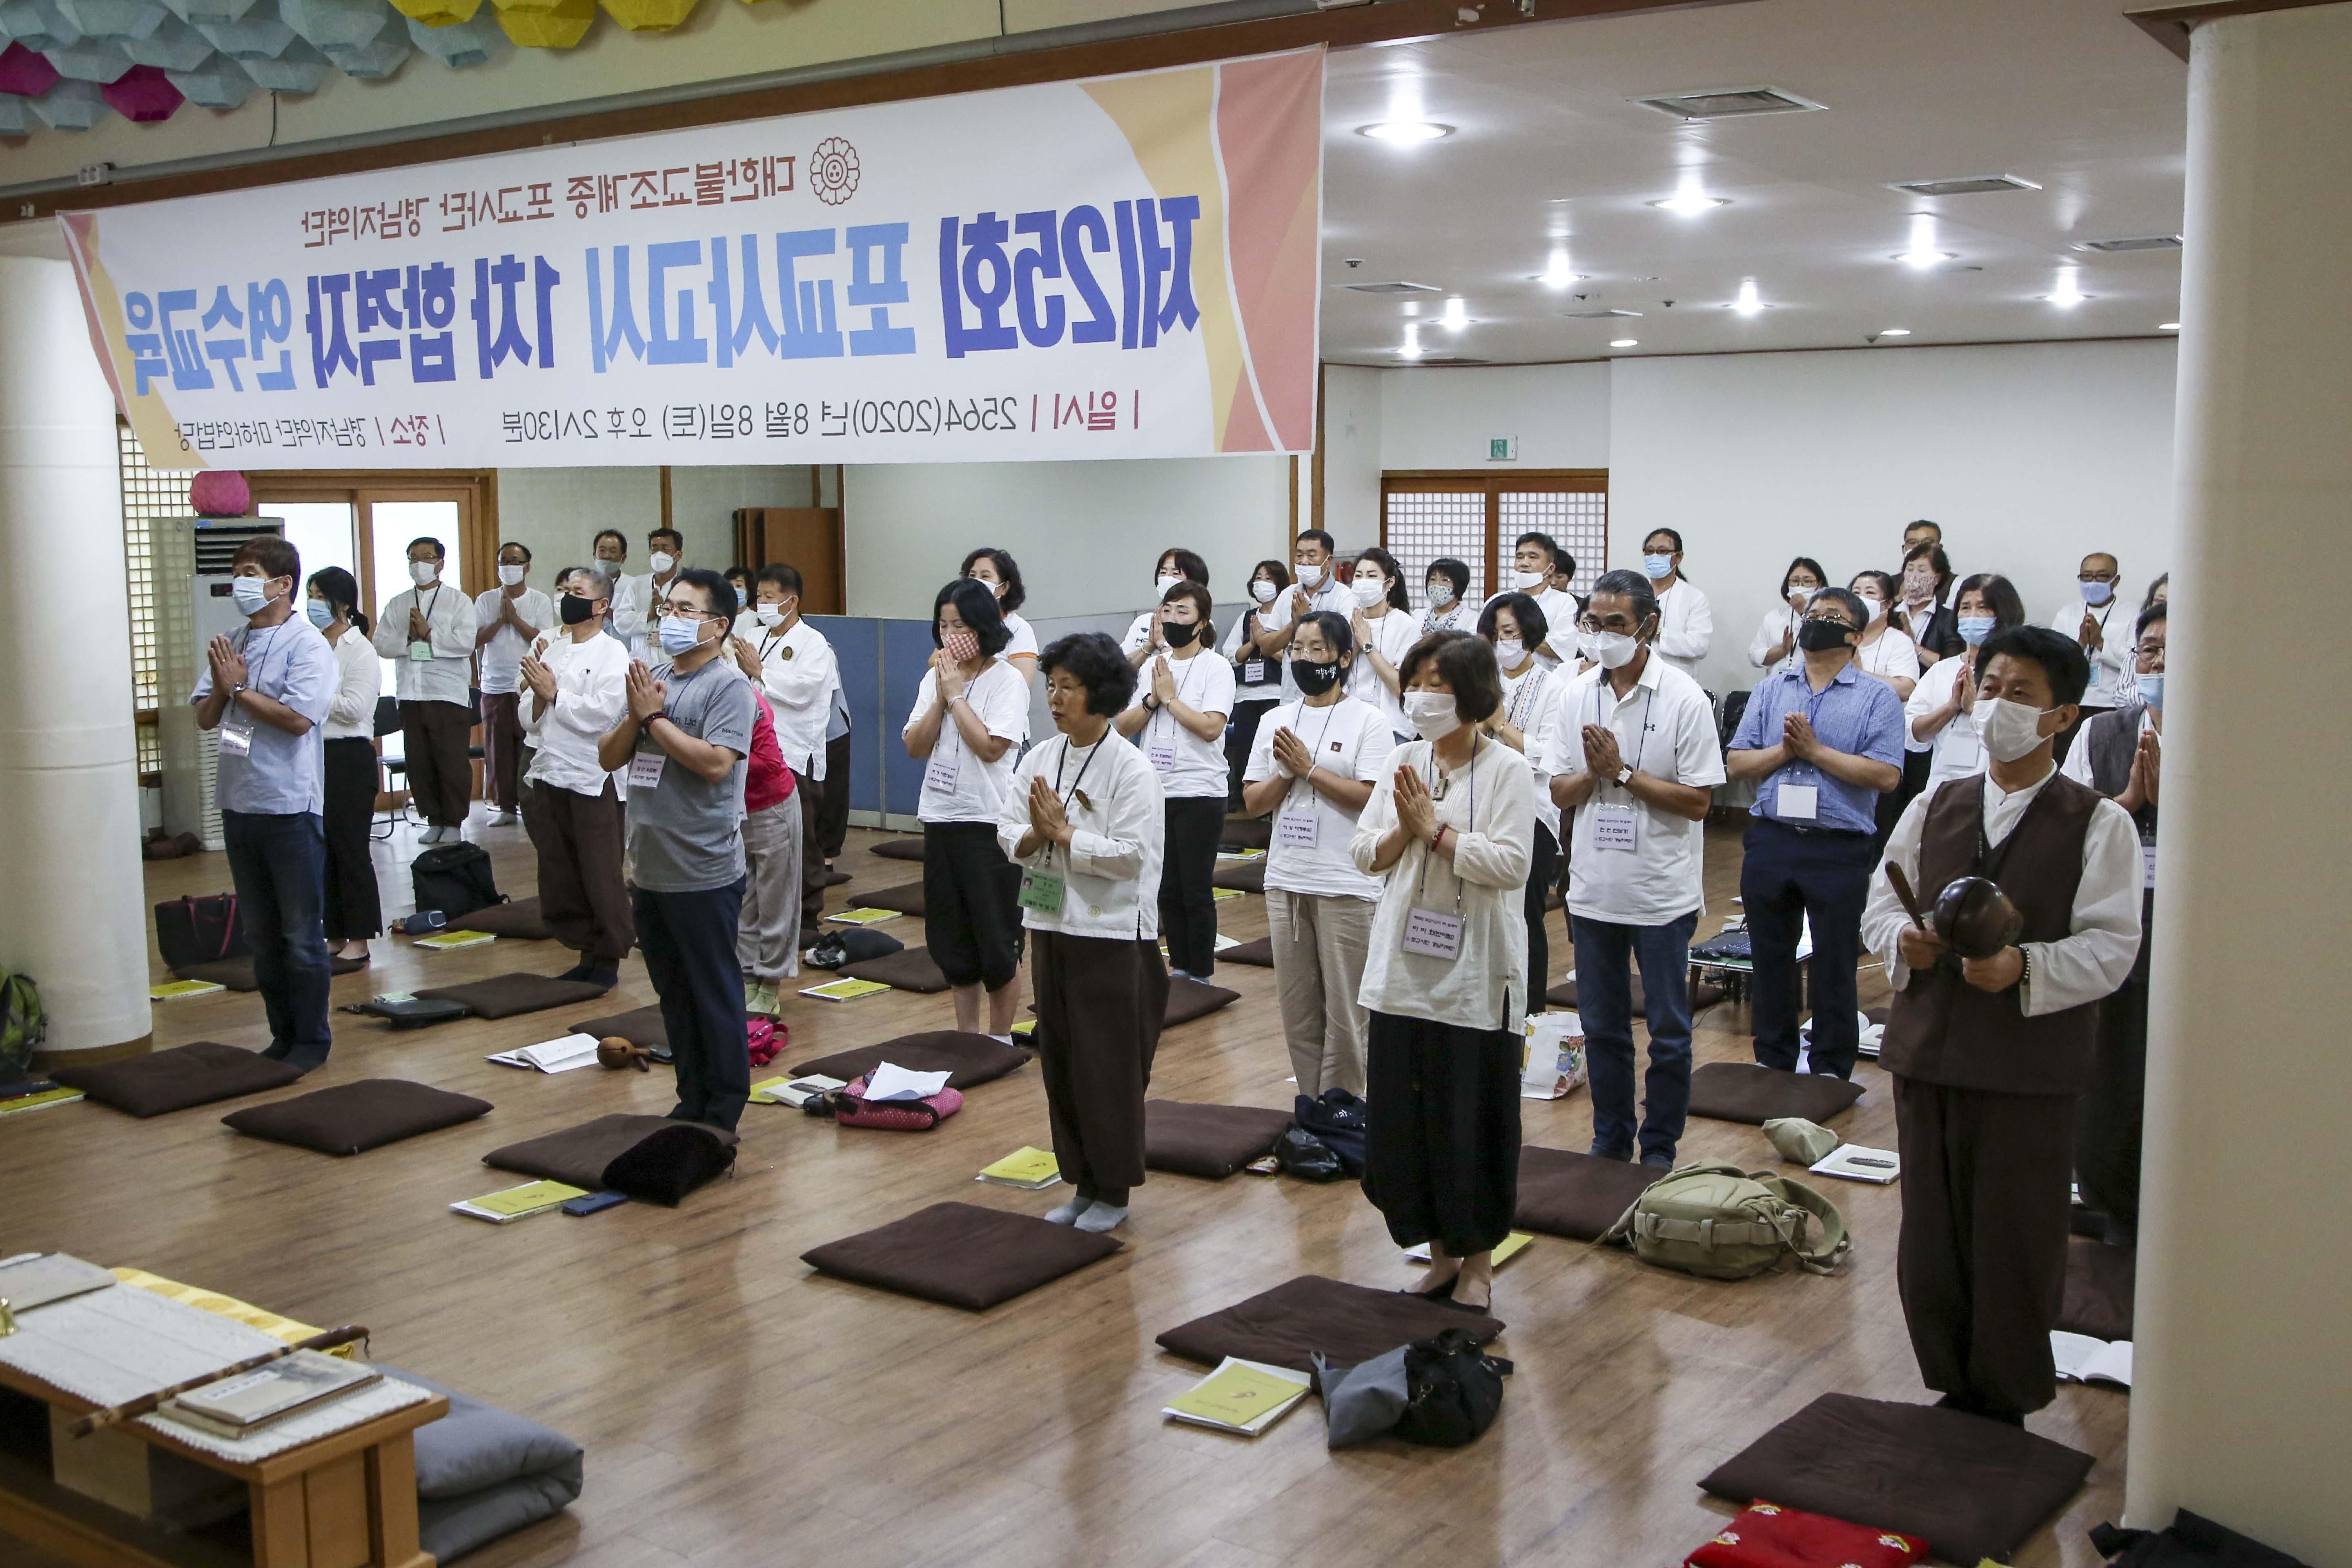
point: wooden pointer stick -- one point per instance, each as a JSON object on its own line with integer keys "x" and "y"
{"x": 146, "y": 1403}
{"x": 1903, "y": 892}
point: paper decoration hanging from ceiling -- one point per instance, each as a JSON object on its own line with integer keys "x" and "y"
{"x": 378, "y": 60}
{"x": 91, "y": 59}
{"x": 25, "y": 73}
{"x": 461, "y": 44}
{"x": 333, "y": 25}
{"x": 298, "y": 69}
{"x": 438, "y": 13}
{"x": 209, "y": 10}
{"x": 259, "y": 34}
{"x": 143, "y": 94}
{"x": 218, "y": 82}
{"x": 557, "y": 27}
{"x": 648, "y": 16}
{"x": 114, "y": 19}
{"x": 71, "y": 106}
{"x": 16, "y": 115}
{"x": 174, "y": 46}
{"x": 37, "y": 24}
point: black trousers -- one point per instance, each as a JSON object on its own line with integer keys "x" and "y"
{"x": 435, "y": 737}
{"x": 832, "y": 813}
{"x": 1543, "y": 861}
{"x": 1441, "y": 1151}
{"x": 1187, "y": 894}
{"x": 354, "y": 911}
{"x": 1240, "y": 736}
{"x": 1788, "y": 877}
{"x": 1981, "y": 1261}
{"x": 2109, "y": 1117}
{"x": 810, "y": 796}
{"x": 689, "y": 942}
{"x": 584, "y": 894}
{"x": 279, "y": 865}
{"x": 972, "y": 903}
{"x": 1917, "y": 765}
{"x": 1100, "y": 1003}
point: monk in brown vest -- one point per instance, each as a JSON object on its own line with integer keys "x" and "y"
{"x": 1988, "y": 1054}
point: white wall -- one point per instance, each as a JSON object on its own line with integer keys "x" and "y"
{"x": 558, "y": 512}
{"x": 2031, "y": 455}
{"x": 1353, "y": 435}
{"x": 1087, "y": 535}
{"x": 1443, "y": 418}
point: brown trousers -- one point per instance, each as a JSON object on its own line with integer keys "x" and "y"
{"x": 1981, "y": 1263}
{"x": 1100, "y": 1004}
{"x": 435, "y": 737}
{"x": 809, "y": 795}
{"x": 581, "y": 895}
{"x": 502, "y": 749}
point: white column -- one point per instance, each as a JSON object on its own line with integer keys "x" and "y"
{"x": 2242, "y": 1390}
{"x": 71, "y": 895}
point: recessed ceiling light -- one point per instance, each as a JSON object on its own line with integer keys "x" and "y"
{"x": 2069, "y": 291}
{"x": 1624, "y": 343}
{"x": 1923, "y": 259}
{"x": 2168, "y": 326}
{"x": 1748, "y": 304}
{"x": 1405, "y": 130}
{"x": 1894, "y": 331}
{"x": 1688, "y": 206}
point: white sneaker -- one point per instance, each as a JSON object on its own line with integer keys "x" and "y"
{"x": 505, "y": 818}
{"x": 431, "y": 835}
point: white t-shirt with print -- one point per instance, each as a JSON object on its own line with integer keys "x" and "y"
{"x": 1394, "y": 635}
{"x": 1349, "y": 738}
{"x": 1189, "y": 766}
{"x": 957, "y": 785}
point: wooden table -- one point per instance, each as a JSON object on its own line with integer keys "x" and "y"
{"x": 347, "y": 1500}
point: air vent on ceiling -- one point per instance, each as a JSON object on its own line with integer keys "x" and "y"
{"x": 1729, "y": 103}
{"x": 1393, "y": 287}
{"x": 2137, "y": 242}
{"x": 1965, "y": 185}
{"x": 1596, "y": 315}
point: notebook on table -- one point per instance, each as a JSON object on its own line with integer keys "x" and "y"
{"x": 238, "y": 1407}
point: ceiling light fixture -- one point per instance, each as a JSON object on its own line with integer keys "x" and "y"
{"x": 2069, "y": 292}
{"x": 2168, "y": 326}
{"x": 1411, "y": 348}
{"x": 1923, "y": 259}
{"x": 1456, "y": 315}
{"x": 1894, "y": 331}
{"x": 1624, "y": 343}
{"x": 1405, "y": 130}
{"x": 1748, "y": 304}
{"x": 1688, "y": 206}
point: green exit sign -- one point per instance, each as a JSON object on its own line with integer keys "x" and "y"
{"x": 1502, "y": 448}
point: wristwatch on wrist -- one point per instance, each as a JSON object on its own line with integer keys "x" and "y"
{"x": 1624, "y": 774}
{"x": 236, "y": 692}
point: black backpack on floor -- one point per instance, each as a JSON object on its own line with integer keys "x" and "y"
{"x": 2190, "y": 1541}
{"x": 454, "y": 878}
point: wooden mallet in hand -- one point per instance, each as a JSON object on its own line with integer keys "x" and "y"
{"x": 1903, "y": 892}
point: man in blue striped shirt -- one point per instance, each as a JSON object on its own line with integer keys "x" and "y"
{"x": 1824, "y": 742}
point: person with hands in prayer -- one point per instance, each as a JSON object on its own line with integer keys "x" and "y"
{"x": 1990, "y": 1052}
{"x": 1178, "y": 720}
{"x": 1082, "y": 821}
{"x": 1143, "y": 638}
{"x": 575, "y": 689}
{"x": 1447, "y": 832}
{"x": 1383, "y": 629}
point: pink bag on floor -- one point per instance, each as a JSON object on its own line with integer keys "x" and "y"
{"x": 768, "y": 1037}
{"x": 850, "y": 1108}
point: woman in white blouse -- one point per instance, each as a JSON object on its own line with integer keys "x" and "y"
{"x": 354, "y": 911}
{"x": 1257, "y": 674}
{"x": 1448, "y": 831}
{"x": 1886, "y": 650}
{"x": 1515, "y": 624}
{"x": 1081, "y": 822}
{"x": 1942, "y": 708}
{"x": 1178, "y": 720}
{"x": 997, "y": 569}
{"x": 1384, "y": 628}
{"x": 1774, "y": 645}
{"x": 971, "y": 715}
{"x": 1685, "y": 620}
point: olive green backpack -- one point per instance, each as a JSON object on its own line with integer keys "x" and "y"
{"x": 1715, "y": 1220}
{"x": 23, "y": 1025}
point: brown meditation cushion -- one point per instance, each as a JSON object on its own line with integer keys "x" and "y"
{"x": 1259, "y": 954}
{"x": 640, "y": 1026}
{"x": 961, "y": 1255}
{"x": 1248, "y": 876}
{"x": 518, "y": 919}
{"x": 909, "y": 969}
{"x": 510, "y": 995}
{"x": 578, "y": 1156}
{"x": 353, "y": 1118}
{"x": 905, "y": 900}
{"x": 1704, "y": 993}
{"x": 1754, "y": 1093}
{"x": 2098, "y": 1289}
{"x": 198, "y": 1074}
{"x": 967, "y": 1059}
{"x": 899, "y": 849}
{"x": 1348, "y": 1323}
{"x": 1562, "y": 1192}
{"x": 1246, "y": 832}
{"x": 1971, "y": 1488}
{"x": 1189, "y": 999}
{"x": 1208, "y": 1140}
{"x": 237, "y": 973}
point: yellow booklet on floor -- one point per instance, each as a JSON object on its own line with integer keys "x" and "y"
{"x": 1223, "y": 893}
{"x": 1513, "y": 1245}
{"x": 1031, "y": 1170}
{"x": 844, "y": 990}
{"x": 177, "y": 989}
{"x": 863, "y": 917}
{"x": 1025, "y": 1028}
{"x": 446, "y": 941}
{"x": 1244, "y": 1396}
{"x": 518, "y": 1202}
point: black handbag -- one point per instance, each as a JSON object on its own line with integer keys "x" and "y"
{"x": 2190, "y": 1541}
{"x": 199, "y": 930}
{"x": 835, "y": 948}
{"x": 1454, "y": 1391}
{"x": 1339, "y": 1121}
{"x": 403, "y": 1012}
{"x": 1302, "y": 1154}
{"x": 454, "y": 878}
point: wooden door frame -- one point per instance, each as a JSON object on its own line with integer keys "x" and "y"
{"x": 475, "y": 491}
{"x": 1495, "y": 486}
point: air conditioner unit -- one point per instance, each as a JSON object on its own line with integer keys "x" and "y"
{"x": 194, "y": 556}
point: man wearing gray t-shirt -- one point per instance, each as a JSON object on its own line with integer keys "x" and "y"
{"x": 683, "y": 741}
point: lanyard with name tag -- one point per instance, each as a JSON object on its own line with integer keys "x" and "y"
{"x": 1434, "y": 933}
{"x": 1041, "y": 890}
{"x": 2147, "y": 862}
{"x": 1296, "y": 826}
{"x": 1159, "y": 749}
{"x": 1253, "y": 671}
{"x": 645, "y": 769}
{"x": 235, "y": 734}
{"x": 1798, "y": 803}
{"x": 1616, "y": 827}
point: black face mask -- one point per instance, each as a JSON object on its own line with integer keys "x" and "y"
{"x": 1314, "y": 680}
{"x": 1180, "y": 633}
{"x": 575, "y": 609}
{"x": 1821, "y": 637}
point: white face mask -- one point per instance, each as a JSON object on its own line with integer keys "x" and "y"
{"x": 661, "y": 561}
{"x": 1165, "y": 580}
{"x": 1440, "y": 593}
{"x": 1508, "y": 651}
{"x": 424, "y": 573}
{"x": 1528, "y": 581}
{"x": 2009, "y": 729}
{"x": 511, "y": 575}
{"x": 1433, "y": 713}
{"x": 1369, "y": 591}
{"x": 1613, "y": 650}
{"x": 1263, "y": 591}
{"x": 769, "y": 615}
{"x": 1314, "y": 576}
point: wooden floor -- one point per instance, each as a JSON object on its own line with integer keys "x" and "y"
{"x": 735, "y": 1408}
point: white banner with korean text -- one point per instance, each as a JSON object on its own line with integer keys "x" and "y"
{"x": 1118, "y": 267}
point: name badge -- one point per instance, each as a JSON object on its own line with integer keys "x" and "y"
{"x": 1042, "y": 892}
{"x": 2147, "y": 863}
{"x": 1296, "y": 829}
{"x": 237, "y": 741}
{"x": 1162, "y": 755}
{"x": 1254, "y": 672}
{"x": 422, "y": 652}
{"x": 1432, "y": 934}
{"x": 941, "y": 772}
{"x": 1616, "y": 827}
{"x": 645, "y": 769}
{"x": 1800, "y": 803}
